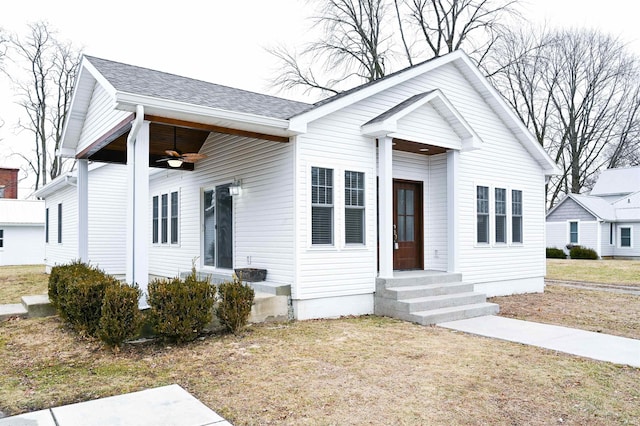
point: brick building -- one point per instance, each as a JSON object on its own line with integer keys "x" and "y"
{"x": 8, "y": 183}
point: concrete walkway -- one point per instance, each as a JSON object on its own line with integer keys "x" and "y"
{"x": 165, "y": 406}
{"x": 603, "y": 347}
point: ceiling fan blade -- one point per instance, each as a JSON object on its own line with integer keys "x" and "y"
{"x": 172, "y": 153}
{"x": 161, "y": 160}
{"x": 192, "y": 156}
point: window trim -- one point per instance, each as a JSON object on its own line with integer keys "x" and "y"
{"x": 328, "y": 206}
{"x": 161, "y": 225}
{"x": 512, "y": 216}
{"x": 487, "y": 214}
{"x": 362, "y": 207}
{"x": 577, "y": 222}
{"x": 630, "y": 228}
{"x": 504, "y": 215}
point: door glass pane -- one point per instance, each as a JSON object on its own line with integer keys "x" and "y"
{"x": 401, "y": 202}
{"x": 209, "y": 237}
{"x": 409, "y": 229}
{"x": 409, "y": 202}
{"x": 401, "y": 228}
{"x": 224, "y": 227}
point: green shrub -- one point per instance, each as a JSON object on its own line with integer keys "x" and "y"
{"x": 59, "y": 277}
{"x": 578, "y": 252}
{"x": 555, "y": 253}
{"x": 234, "y": 306}
{"x": 120, "y": 318}
{"x": 179, "y": 309}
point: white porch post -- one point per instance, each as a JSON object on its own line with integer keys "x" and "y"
{"x": 385, "y": 205}
{"x": 83, "y": 210}
{"x": 453, "y": 159}
{"x": 138, "y": 209}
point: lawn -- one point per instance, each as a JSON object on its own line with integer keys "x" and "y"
{"x": 625, "y": 272}
{"x": 366, "y": 370}
{"x": 18, "y": 281}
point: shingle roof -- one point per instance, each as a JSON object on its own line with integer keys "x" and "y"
{"x": 21, "y": 212}
{"x": 148, "y": 82}
{"x": 617, "y": 181}
{"x": 596, "y": 205}
{"x": 402, "y": 105}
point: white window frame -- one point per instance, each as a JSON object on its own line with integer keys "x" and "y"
{"x": 495, "y": 216}
{"x": 331, "y": 206}
{"x": 362, "y": 208}
{"x": 569, "y": 222}
{"x": 488, "y": 214}
{"x": 512, "y": 215}
{"x": 156, "y": 238}
{"x": 630, "y": 228}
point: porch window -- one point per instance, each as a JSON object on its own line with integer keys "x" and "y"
{"x": 60, "y": 223}
{"x": 164, "y": 221}
{"x": 482, "y": 211}
{"x": 165, "y": 218}
{"x": 174, "y": 218}
{"x": 321, "y": 205}
{"x": 46, "y": 225}
{"x": 573, "y": 232}
{"x": 516, "y": 216}
{"x": 354, "y": 207}
{"x": 1, "y": 238}
{"x": 501, "y": 215}
{"x": 155, "y": 226}
{"x": 625, "y": 237}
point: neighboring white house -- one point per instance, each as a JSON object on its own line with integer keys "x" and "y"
{"x": 426, "y": 170}
{"x": 607, "y": 220}
{"x": 107, "y": 218}
{"x": 22, "y": 227}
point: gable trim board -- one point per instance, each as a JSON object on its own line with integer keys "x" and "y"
{"x": 444, "y": 103}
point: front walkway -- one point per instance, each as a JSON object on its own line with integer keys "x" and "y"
{"x": 165, "y": 406}
{"x": 603, "y": 347}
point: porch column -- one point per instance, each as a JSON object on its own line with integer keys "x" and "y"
{"x": 83, "y": 210}
{"x": 385, "y": 205}
{"x": 453, "y": 159}
{"x": 138, "y": 210}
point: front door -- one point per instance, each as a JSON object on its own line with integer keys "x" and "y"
{"x": 407, "y": 225}
{"x": 217, "y": 228}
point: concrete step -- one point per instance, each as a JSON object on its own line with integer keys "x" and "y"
{"x": 437, "y": 302}
{"x": 409, "y": 292}
{"x": 453, "y": 313}
{"x": 38, "y": 306}
{"x": 418, "y": 278}
{"x": 12, "y": 310}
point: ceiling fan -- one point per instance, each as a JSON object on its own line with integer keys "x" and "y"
{"x": 175, "y": 158}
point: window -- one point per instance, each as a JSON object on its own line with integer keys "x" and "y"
{"x": 156, "y": 225}
{"x": 1, "y": 238}
{"x": 611, "y": 233}
{"x": 60, "y": 223}
{"x": 165, "y": 218}
{"x": 354, "y": 207}
{"x": 1, "y": 191}
{"x": 625, "y": 237}
{"x": 516, "y": 216}
{"x": 573, "y": 232}
{"x": 321, "y": 206}
{"x": 501, "y": 215}
{"x": 482, "y": 207}
{"x": 46, "y": 225}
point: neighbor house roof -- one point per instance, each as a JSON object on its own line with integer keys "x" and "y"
{"x": 624, "y": 180}
{"x": 599, "y": 207}
{"x": 21, "y": 212}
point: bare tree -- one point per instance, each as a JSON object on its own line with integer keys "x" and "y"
{"x": 44, "y": 94}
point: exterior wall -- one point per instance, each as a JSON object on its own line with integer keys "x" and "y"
{"x": 569, "y": 210}
{"x": 606, "y": 248}
{"x": 9, "y": 180}
{"x": 22, "y": 245}
{"x": 627, "y": 252}
{"x": 55, "y": 253}
{"x": 426, "y": 124}
{"x": 262, "y": 214}
{"x": 558, "y": 235}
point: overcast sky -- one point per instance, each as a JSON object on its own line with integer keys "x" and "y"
{"x": 223, "y": 41}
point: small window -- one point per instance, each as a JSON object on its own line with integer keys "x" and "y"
{"x": 573, "y": 232}
{"x": 516, "y": 216}
{"x": 321, "y": 206}
{"x": 1, "y": 238}
{"x": 611, "y": 233}
{"x": 625, "y": 237}
{"x": 354, "y": 207}
{"x": 46, "y": 225}
{"x": 1, "y": 191}
{"x": 60, "y": 223}
{"x": 165, "y": 218}
{"x": 156, "y": 218}
{"x": 501, "y": 215}
{"x": 164, "y": 221}
{"x": 482, "y": 207}
{"x": 174, "y": 218}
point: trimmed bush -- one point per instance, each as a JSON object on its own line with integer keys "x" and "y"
{"x": 59, "y": 277}
{"x": 555, "y": 253}
{"x": 234, "y": 306}
{"x": 120, "y": 318}
{"x": 578, "y": 252}
{"x": 181, "y": 309}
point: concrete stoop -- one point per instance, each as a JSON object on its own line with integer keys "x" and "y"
{"x": 426, "y": 297}
{"x": 31, "y": 307}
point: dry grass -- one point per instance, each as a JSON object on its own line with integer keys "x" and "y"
{"x": 626, "y": 272}
{"x": 367, "y": 370}
{"x": 590, "y": 310}
{"x": 18, "y": 281}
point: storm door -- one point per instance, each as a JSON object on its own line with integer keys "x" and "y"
{"x": 217, "y": 227}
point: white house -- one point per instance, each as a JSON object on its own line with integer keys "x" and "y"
{"x": 106, "y": 230}
{"x": 22, "y": 226}
{"x": 424, "y": 178}
{"x": 607, "y": 220}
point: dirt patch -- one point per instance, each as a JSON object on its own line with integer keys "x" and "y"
{"x": 18, "y": 281}
{"x": 367, "y": 370}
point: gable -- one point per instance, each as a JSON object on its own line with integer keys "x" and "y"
{"x": 569, "y": 209}
{"x": 628, "y": 208}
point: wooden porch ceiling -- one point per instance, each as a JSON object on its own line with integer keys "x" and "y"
{"x": 189, "y": 136}
{"x": 417, "y": 148}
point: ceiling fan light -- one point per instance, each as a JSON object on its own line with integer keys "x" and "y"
{"x": 175, "y": 162}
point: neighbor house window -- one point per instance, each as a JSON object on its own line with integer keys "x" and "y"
{"x": 174, "y": 218}
{"x": 516, "y": 216}
{"x": 611, "y": 233}
{"x": 46, "y": 225}
{"x": 625, "y": 237}
{"x": 156, "y": 218}
{"x": 573, "y": 232}
{"x": 501, "y": 215}
{"x": 165, "y": 218}
{"x": 354, "y": 207}
{"x": 1, "y": 191}
{"x": 60, "y": 223}
{"x": 482, "y": 207}
{"x": 321, "y": 205}
{"x": 1, "y": 238}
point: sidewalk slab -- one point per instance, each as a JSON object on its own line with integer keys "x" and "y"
{"x": 602, "y": 347}
{"x": 164, "y": 406}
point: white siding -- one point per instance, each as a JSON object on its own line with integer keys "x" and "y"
{"x": 262, "y": 214}
{"x": 426, "y": 125}
{"x": 22, "y": 245}
{"x": 56, "y": 254}
{"x": 558, "y": 235}
{"x": 606, "y": 248}
{"x": 101, "y": 118}
{"x": 634, "y": 250}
